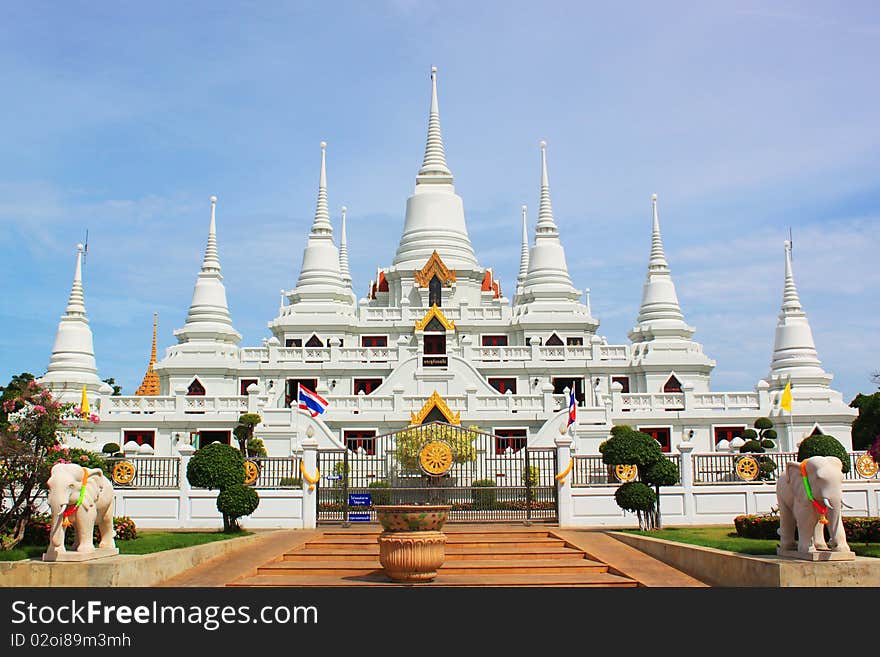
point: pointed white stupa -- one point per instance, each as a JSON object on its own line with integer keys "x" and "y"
{"x": 343, "y": 252}
{"x": 523, "y": 255}
{"x": 208, "y": 319}
{"x": 320, "y": 277}
{"x": 435, "y": 213}
{"x": 795, "y": 357}
{"x": 547, "y": 277}
{"x": 660, "y": 314}
{"x": 72, "y": 364}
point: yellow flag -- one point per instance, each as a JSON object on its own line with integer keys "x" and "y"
{"x": 84, "y": 404}
{"x": 785, "y": 399}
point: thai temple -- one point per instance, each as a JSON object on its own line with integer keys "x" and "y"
{"x": 438, "y": 337}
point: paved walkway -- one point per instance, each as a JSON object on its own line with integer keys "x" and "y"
{"x": 281, "y": 552}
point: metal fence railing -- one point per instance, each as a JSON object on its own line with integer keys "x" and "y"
{"x": 277, "y": 471}
{"x": 590, "y": 471}
{"x": 722, "y": 468}
{"x": 148, "y": 471}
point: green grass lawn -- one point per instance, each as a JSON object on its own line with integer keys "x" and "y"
{"x": 145, "y": 543}
{"x": 725, "y": 538}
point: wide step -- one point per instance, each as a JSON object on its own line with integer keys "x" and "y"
{"x": 378, "y": 578}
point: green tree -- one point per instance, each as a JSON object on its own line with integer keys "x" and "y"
{"x": 822, "y": 445}
{"x": 117, "y": 389}
{"x": 866, "y": 427}
{"x": 626, "y": 446}
{"x": 758, "y": 441}
{"x": 244, "y": 432}
{"x": 219, "y": 466}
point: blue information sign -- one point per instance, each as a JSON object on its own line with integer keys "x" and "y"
{"x": 360, "y": 499}
{"x": 359, "y": 517}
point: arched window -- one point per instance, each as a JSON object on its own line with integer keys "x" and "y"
{"x": 434, "y": 292}
{"x": 195, "y": 389}
{"x": 672, "y": 384}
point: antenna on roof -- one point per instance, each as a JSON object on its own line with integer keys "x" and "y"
{"x": 791, "y": 243}
{"x": 85, "y": 247}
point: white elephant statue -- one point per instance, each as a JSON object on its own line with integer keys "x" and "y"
{"x": 81, "y": 497}
{"x": 810, "y": 496}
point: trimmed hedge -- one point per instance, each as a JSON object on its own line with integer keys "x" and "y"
{"x": 483, "y": 493}
{"x": 822, "y": 445}
{"x": 858, "y": 530}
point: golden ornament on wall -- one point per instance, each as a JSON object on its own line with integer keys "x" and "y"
{"x": 866, "y": 466}
{"x": 747, "y": 468}
{"x": 123, "y": 472}
{"x": 251, "y": 472}
{"x": 435, "y": 458}
{"x": 626, "y": 472}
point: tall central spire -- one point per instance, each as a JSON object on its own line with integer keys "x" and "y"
{"x": 546, "y": 224}
{"x": 435, "y": 213}
{"x": 660, "y": 314}
{"x": 434, "y": 168}
{"x": 208, "y": 319}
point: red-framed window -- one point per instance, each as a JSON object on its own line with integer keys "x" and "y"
{"x": 208, "y": 437}
{"x": 290, "y": 388}
{"x": 366, "y": 385}
{"x": 560, "y": 384}
{"x": 243, "y": 385}
{"x": 365, "y": 439}
{"x": 728, "y": 433}
{"x": 374, "y": 340}
{"x": 140, "y": 436}
{"x": 661, "y": 435}
{"x": 672, "y": 384}
{"x": 435, "y": 345}
{"x": 494, "y": 340}
{"x": 502, "y": 385}
{"x": 515, "y": 439}
{"x": 622, "y": 380}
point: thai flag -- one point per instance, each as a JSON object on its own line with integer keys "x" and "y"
{"x": 310, "y": 401}
{"x": 572, "y": 406}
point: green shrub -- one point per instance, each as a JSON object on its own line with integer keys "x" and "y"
{"x": 380, "y": 491}
{"x": 124, "y": 527}
{"x": 763, "y": 423}
{"x": 662, "y": 473}
{"x": 821, "y": 445}
{"x": 629, "y": 447}
{"x": 292, "y": 482}
{"x": 216, "y": 466}
{"x": 749, "y": 434}
{"x": 752, "y": 447}
{"x": 531, "y": 476}
{"x": 110, "y": 448}
{"x": 635, "y": 496}
{"x": 483, "y": 493}
{"x": 40, "y": 524}
{"x": 862, "y": 530}
{"x": 255, "y": 447}
{"x": 77, "y": 456}
{"x": 234, "y": 502}
{"x": 768, "y": 444}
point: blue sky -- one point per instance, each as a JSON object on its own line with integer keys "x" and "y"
{"x": 746, "y": 119}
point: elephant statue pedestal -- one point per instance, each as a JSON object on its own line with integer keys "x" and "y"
{"x": 810, "y": 497}
{"x": 83, "y": 498}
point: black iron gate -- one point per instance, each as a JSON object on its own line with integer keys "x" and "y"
{"x": 490, "y": 479}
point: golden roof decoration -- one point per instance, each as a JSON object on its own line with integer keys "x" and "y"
{"x": 150, "y": 385}
{"x": 433, "y": 267}
{"x": 435, "y": 401}
{"x": 434, "y": 313}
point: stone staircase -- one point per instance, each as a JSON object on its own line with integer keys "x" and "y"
{"x": 476, "y": 555}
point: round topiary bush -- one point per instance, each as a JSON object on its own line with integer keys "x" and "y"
{"x": 749, "y": 434}
{"x": 752, "y": 447}
{"x": 110, "y": 448}
{"x": 821, "y": 445}
{"x": 483, "y": 493}
{"x": 662, "y": 473}
{"x": 763, "y": 423}
{"x": 635, "y": 496}
{"x": 234, "y": 502}
{"x": 216, "y": 466}
{"x": 630, "y": 447}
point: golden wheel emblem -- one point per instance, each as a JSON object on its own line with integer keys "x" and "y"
{"x": 436, "y": 457}
{"x": 123, "y": 472}
{"x": 625, "y": 472}
{"x": 251, "y": 472}
{"x": 747, "y": 468}
{"x": 866, "y": 466}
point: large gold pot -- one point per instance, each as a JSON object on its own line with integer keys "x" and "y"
{"x": 412, "y": 547}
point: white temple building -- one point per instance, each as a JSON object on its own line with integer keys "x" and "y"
{"x": 436, "y": 338}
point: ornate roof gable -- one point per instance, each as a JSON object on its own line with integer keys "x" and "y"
{"x": 434, "y": 313}
{"x": 435, "y": 401}
{"x": 433, "y": 267}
